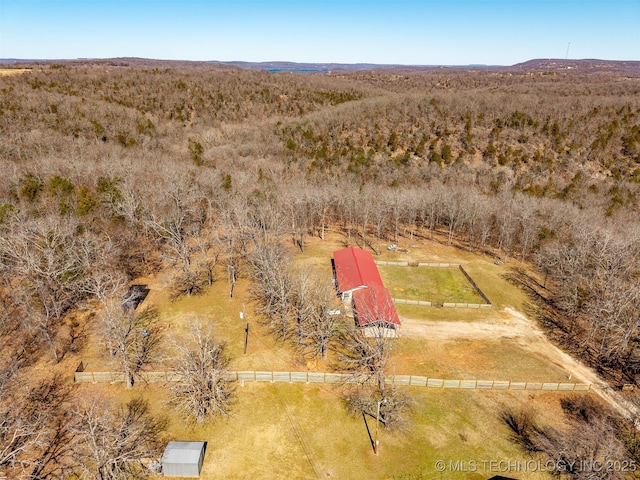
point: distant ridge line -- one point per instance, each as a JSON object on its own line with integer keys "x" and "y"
{"x": 535, "y": 65}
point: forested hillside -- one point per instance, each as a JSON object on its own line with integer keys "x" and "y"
{"x": 112, "y": 172}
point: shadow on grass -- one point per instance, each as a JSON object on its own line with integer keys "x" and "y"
{"x": 364, "y": 419}
{"x": 540, "y": 307}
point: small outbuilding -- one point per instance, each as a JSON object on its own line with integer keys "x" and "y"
{"x": 134, "y": 297}
{"x": 183, "y": 459}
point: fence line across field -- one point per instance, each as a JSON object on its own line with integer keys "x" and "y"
{"x": 404, "y": 301}
{"x": 336, "y": 378}
{"x": 384, "y": 263}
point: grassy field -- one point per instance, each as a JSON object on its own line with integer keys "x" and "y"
{"x": 214, "y": 309}
{"x": 472, "y": 360}
{"x": 435, "y": 285}
{"x": 303, "y": 431}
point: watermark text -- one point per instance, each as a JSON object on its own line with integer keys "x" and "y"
{"x": 515, "y": 466}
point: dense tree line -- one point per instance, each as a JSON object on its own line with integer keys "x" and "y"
{"x": 111, "y": 172}
{"x": 584, "y": 445}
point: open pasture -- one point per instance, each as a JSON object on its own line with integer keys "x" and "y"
{"x": 436, "y": 285}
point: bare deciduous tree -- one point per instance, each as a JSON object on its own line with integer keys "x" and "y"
{"x": 47, "y": 274}
{"x": 176, "y": 225}
{"x": 316, "y": 309}
{"x": 368, "y": 340}
{"x": 299, "y": 212}
{"x": 201, "y": 364}
{"x": 389, "y": 406}
{"x": 113, "y": 443}
{"x": 591, "y": 439}
{"x": 35, "y": 436}
{"x": 132, "y": 338}
{"x": 272, "y": 271}
{"x": 366, "y": 353}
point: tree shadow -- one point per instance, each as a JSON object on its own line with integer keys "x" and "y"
{"x": 187, "y": 285}
{"x": 539, "y": 307}
{"x": 77, "y": 335}
{"x": 564, "y": 332}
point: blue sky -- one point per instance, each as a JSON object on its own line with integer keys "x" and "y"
{"x": 410, "y": 32}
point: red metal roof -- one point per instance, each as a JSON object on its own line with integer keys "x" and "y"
{"x": 374, "y": 305}
{"x": 356, "y": 269}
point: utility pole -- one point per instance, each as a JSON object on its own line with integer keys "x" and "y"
{"x": 231, "y": 278}
{"x": 246, "y": 331}
{"x": 376, "y": 442}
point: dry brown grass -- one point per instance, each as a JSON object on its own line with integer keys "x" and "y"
{"x": 212, "y": 308}
{"x": 4, "y": 72}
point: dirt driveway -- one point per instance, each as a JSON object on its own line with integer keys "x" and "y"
{"x": 513, "y": 325}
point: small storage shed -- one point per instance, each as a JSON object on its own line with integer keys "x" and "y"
{"x": 183, "y": 459}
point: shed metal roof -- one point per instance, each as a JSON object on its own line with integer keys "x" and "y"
{"x": 182, "y": 452}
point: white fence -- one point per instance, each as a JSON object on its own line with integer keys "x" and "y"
{"x": 384, "y": 263}
{"x": 423, "y": 303}
{"x": 337, "y": 378}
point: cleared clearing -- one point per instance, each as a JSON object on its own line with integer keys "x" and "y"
{"x": 302, "y": 431}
